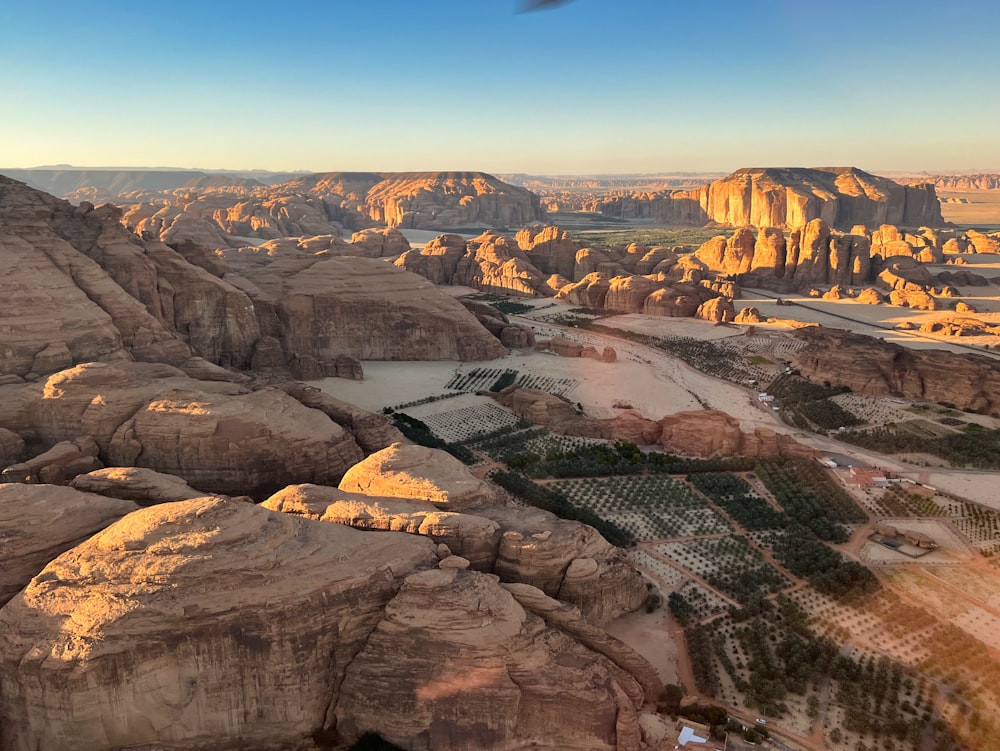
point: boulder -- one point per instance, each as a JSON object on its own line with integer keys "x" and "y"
{"x": 143, "y": 486}
{"x": 473, "y": 537}
{"x": 410, "y": 471}
{"x": 379, "y": 243}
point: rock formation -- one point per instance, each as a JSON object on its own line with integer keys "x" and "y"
{"x": 788, "y": 198}
{"x": 318, "y": 308}
{"x": 188, "y": 625}
{"x": 702, "y": 433}
{"x": 458, "y": 664}
{"x": 215, "y": 435}
{"x": 449, "y": 199}
{"x": 409, "y": 471}
{"x": 143, "y": 486}
{"x": 39, "y": 522}
{"x": 178, "y": 627}
{"x": 874, "y": 366}
{"x": 565, "y": 559}
{"x": 106, "y": 294}
{"x": 473, "y": 537}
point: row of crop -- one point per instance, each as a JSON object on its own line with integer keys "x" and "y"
{"x": 979, "y": 449}
{"x": 418, "y": 432}
{"x": 738, "y": 499}
{"x": 555, "y": 502}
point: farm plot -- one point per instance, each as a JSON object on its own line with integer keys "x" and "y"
{"x": 493, "y": 379}
{"x": 703, "y": 602}
{"x": 557, "y": 386}
{"x": 467, "y": 423}
{"x": 739, "y": 499}
{"x": 651, "y": 508}
{"x": 663, "y": 573}
{"x": 981, "y": 526}
{"x": 729, "y": 564}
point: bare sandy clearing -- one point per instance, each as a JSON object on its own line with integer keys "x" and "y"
{"x": 982, "y": 209}
{"x": 871, "y": 320}
{"x": 647, "y": 634}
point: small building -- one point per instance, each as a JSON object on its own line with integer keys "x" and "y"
{"x": 865, "y": 477}
{"x": 692, "y": 735}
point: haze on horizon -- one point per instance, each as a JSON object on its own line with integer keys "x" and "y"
{"x": 591, "y": 86}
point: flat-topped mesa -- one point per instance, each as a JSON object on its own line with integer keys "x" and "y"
{"x": 790, "y": 197}
{"x": 450, "y": 199}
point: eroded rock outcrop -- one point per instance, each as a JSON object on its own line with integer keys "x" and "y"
{"x": 409, "y": 471}
{"x": 457, "y": 664}
{"x": 703, "y": 433}
{"x": 319, "y": 308}
{"x": 148, "y": 633}
{"x": 472, "y": 537}
{"x": 874, "y": 366}
{"x": 788, "y": 198}
{"x": 81, "y": 287}
{"x": 39, "y": 522}
{"x": 143, "y": 486}
{"x": 566, "y": 559}
{"x": 218, "y": 436}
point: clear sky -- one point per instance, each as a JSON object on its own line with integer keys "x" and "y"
{"x": 590, "y": 86}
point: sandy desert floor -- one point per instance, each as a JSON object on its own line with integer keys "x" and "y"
{"x": 982, "y": 209}
{"x": 651, "y": 381}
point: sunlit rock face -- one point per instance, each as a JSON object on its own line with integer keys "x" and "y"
{"x": 787, "y": 198}
{"x": 449, "y": 199}
{"x": 204, "y": 623}
{"x": 409, "y": 471}
{"x": 217, "y": 436}
{"x": 38, "y": 522}
{"x": 458, "y": 664}
{"x": 565, "y": 559}
{"x": 874, "y": 366}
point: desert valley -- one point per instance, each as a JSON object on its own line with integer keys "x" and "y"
{"x": 538, "y": 388}
{"x": 369, "y": 459}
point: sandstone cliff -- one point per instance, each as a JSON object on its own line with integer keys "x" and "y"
{"x": 215, "y": 435}
{"x": 874, "y": 366}
{"x": 327, "y": 203}
{"x": 789, "y": 198}
{"x": 80, "y": 287}
{"x": 703, "y": 433}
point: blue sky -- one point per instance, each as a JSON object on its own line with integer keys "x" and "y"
{"x": 592, "y": 86}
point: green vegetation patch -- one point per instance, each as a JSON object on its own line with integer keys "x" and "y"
{"x": 979, "y": 448}
{"x": 738, "y": 499}
{"x": 554, "y": 501}
{"x": 419, "y": 432}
